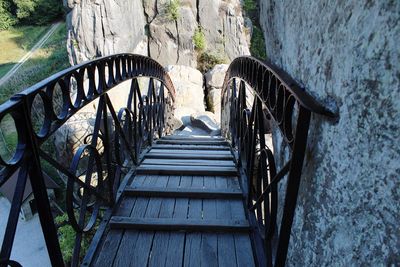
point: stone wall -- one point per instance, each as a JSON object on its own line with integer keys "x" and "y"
{"x": 346, "y": 53}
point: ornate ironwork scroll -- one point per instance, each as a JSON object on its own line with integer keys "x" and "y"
{"x": 279, "y": 99}
{"x": 115, "y": 143}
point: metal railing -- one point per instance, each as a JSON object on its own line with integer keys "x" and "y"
{"x": 113, "y": 145}
{"x": 279, "y": 100}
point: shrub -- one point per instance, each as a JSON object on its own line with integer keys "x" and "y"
{"x": 6, "y": 18}
{"x": 199, "y": 40}
{"x": 173, "y": 9}
{"x": 257, "y": 44}
{"x": 67, "y": 238}
{"x": 207, "y": 60}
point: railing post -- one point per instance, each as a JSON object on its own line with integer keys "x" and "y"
{"x": 40, "y": 192}
{"x": 293, "y": 184}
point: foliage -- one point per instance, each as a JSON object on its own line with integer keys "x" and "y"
{"x": 249, "y": 6}
{"x": 173, "y": 9}
{"x": 29, "y": 12}
{"x": 257, "y": 43}
{"x": 67, "y": 238}
{"x": 199, "y": 39}
{"x": 38, "y": 12}
{"x": 6, "y": 18}
{"x": 207, "y": 60}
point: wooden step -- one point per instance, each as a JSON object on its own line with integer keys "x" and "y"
{"x": 176, "y": 224}
{"x": 201, "y": 193}
{"x": 183, "y": 151}
{"x": 182, "y": 137}
{"x": 186, "y": 170}
{"x": 193, "y": 142}
{"x": 189, "y": 147}
{"x": 173, "y": 155}
{"x": 188, "y": 162}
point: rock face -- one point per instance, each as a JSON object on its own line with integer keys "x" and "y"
{"x": 214, "y": 82}
{"x": 96, "y": 28}
{"x": 349, "y": 199}
{"x": 100, "y": 27}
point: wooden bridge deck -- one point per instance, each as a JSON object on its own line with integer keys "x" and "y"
{"x": 184, "y": 207}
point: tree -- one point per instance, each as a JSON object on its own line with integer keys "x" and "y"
{"x": 38, "y": 12}
{"x": 6, "y": 17}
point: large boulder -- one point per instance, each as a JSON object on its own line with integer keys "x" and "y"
{"x": 188, "y": 84}
{"x": 214, "y": 82}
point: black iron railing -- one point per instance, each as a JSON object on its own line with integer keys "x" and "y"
{"x": 112, "y": 146}
{"x": 278, "y": 100}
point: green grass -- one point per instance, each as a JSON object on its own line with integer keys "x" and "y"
{"x": 49, "y": 59}
{"x": 16, "y": 42}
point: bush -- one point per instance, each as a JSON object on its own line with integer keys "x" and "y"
{"x": 257, "y": 44}
{"x": 67, "y": 238}
{"x": 199, "y": 40}
{"x": 207, "y": 60}
{"x": 173, "y": 9}
{"x": 6, "y": 18}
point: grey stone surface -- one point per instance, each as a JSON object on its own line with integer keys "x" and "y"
{"x": 214, "y": 82}
{"x": 205, "y": 121}
{"x": 189, "y": 91}
{"x": 346, "y": 53}
{"x": 101, "y": 27}
{"x": 223, "y": 25}
{"x": 98, "y": 28}
{"x": 29, "y": 247}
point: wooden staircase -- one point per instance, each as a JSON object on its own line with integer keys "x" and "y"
{"x": 184, "y": 207}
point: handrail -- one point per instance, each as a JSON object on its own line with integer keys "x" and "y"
{"x": 114, "y": 143}
{"x": 280, "y": 102}
{"x": 245, "y": 66}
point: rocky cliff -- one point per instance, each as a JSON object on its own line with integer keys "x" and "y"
{"x": 346, "y": 53}
{"x": 162, "y": 29}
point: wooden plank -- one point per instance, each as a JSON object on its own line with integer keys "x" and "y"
{"x": 186, "y": 151}
{"x": 182, "y": 137}
{"x": 193, "y": 240}
{"x": 190, "y": 147}
{"x": 193, "y": 142}
{"x": 243, "y": 247}
{"x": 109, "y": 247}
{"x": 188, "y": 162}
{"x": 176, "y": 241}
{"x": 175, "y": 224}
{"x": 187, "y": 156}
{"x": 193, "y": 192}
{"x": 209, "y": 241}
{"x": 186, "y": 170}
{"x": 140, "y": 256}
{"x": 226, "y": 247}
{"x": 129, "y": 238}
{"x": 161, "y": 239}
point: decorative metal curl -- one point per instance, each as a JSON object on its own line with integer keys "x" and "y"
{"x": 77, "y": 199}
